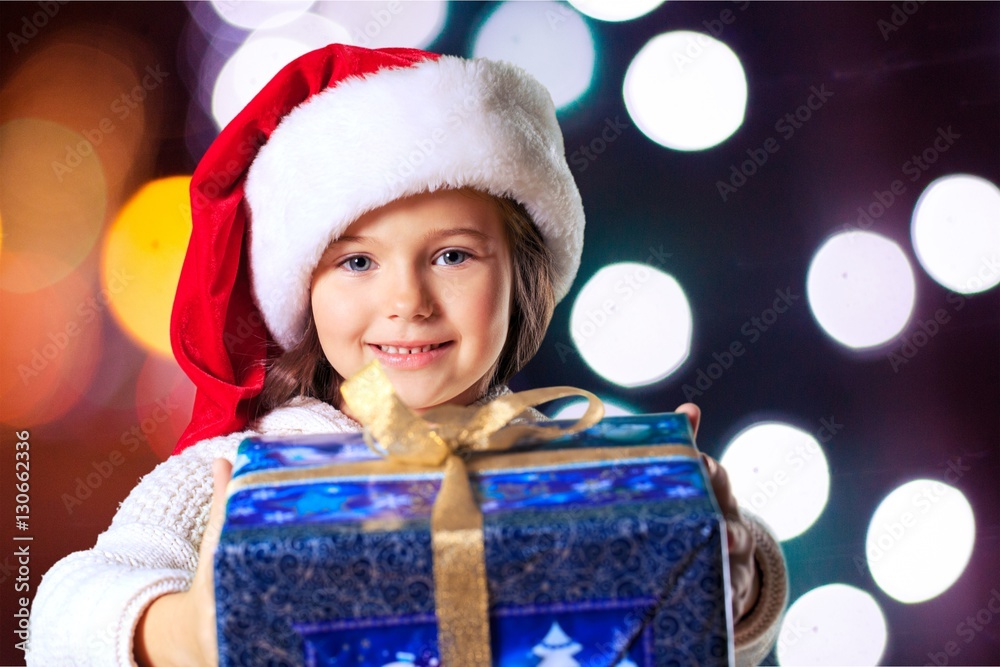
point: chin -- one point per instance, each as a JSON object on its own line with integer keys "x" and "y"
{"x": 423, "y": 394}
{"x": 416, "y": 400}
{"x": 421, "y": 402}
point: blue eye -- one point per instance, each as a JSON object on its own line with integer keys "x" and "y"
{"x": 357, "y": 263}
{"x": 452, "y": 257}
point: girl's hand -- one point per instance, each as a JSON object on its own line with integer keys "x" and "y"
{"x": 179, "y": 628}
{"x": 742, "y": 568}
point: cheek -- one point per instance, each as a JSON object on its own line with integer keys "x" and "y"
{"x": 495, "y": 313}
{"x": 331, "y": 309}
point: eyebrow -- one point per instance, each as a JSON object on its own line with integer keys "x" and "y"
{"x": 430, "y": 235}
{"x": 456, "y": 231}
{"x": 349, "y": 238}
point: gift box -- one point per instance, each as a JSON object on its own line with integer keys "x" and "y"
{"x": 602, "y": 547}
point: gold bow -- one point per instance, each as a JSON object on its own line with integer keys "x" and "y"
{"x": 440, "y": 439}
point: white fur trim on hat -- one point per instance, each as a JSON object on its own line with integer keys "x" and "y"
{"x": 445, "y": 123}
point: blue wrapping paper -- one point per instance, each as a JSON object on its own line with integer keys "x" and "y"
{"x": 588, "y": 562}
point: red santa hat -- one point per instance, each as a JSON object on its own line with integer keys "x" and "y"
{"x": 336, "y": 133}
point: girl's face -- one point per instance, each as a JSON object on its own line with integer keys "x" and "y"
{"x": 422, "y": 284}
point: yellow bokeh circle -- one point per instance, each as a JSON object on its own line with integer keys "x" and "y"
{"x": 143, "y": 253}
{"x": 54, "y": 195}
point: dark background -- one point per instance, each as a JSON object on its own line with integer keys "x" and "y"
{"x": 890, "y": 95}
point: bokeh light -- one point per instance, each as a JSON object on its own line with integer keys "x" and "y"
{"x": 143, "y": 253}
{"x": 576, "y": 408}
{"x": 779, "y": 472}
{"x": 860, "y": 288}
{"x": 920, "y": 539}
{"x": 263, "y": 54}
{"x": 548, "y": 39}
{"x": 103, "y": 95}
{"x": 164, "y": 397}
{"x": 834, "y": 624}
{"x": 384, "y": 23}
{"x": 53, "y": 199}
{"x": 631, "y": 323}
{"x": 50, "y": 345}
{"x": 620, "y": 10}
{"x": 686, "y": 90}
{"x": 956, "y": 232}
{"x": 217, "y": 29}
{"x": 252, "y": 15}
{"x": 205, "y": 46}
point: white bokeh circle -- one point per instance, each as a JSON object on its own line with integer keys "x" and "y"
{"x": 860, "y": 288}
{"x": 575, "y": 409}
{"x": 956, "y": 232}
{"x": 631, "y": 323}
{"x": 920, "y": 539}
{"x": 780, "y": 473}
{"x": 686, "y": 90}
{"x": 548, "y": 39}
{"x": 387, "y": 23}
{"x": 253, "y": 15}
{"x": 618, "y": 10}
{"x": 834, "y": 624}
{"x": 262, "y": 55}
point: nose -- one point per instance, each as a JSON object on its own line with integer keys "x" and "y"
{"x": 409, "y": 296}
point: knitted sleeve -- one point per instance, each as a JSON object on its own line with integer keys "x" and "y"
{"x": 87, "y": 606}
{"x": 757, "y": 631}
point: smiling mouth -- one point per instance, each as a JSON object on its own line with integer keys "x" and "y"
{"x": 392, "y": 349}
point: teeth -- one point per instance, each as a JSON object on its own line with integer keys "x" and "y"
{"x": 408, "y": 350}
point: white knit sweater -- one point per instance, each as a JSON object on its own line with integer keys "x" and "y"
{"x": 88, "y": 604}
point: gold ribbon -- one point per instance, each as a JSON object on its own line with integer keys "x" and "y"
{"x": 440, "y": 439}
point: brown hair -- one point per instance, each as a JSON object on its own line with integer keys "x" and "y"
{"x": 303, "y": 370}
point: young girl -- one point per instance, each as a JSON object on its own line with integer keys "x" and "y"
{"x": 392, "y": 205}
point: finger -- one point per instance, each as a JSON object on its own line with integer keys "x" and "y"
{"x": 741, "y": 542}
{"x": 693, "y": 413}
{"x": 222, "y": 470}
{"x": 721, "y": 487}
{"x": 742, "y": 570}
{"x": 739, "y": 537}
